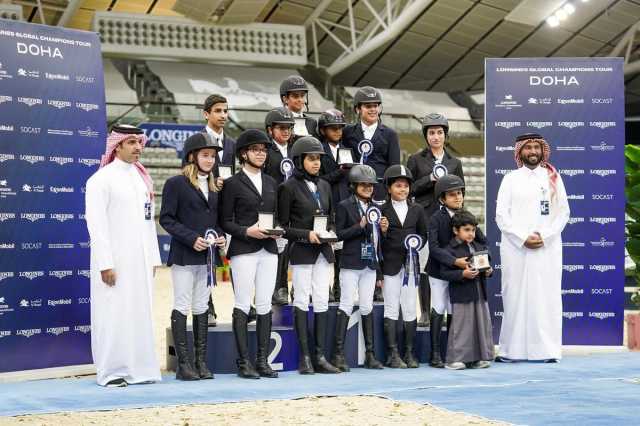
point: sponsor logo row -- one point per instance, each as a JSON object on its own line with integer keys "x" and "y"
{"x": 7, "y": 189}
{"x": 575, "y": 268}
{"x": 86, "y": 132}
{"x": 574, "y": 315}
{"x": 509, "y": 102}
{"x": 59, "y": 104}
{"x": 571, "y": 125}
{"x": 23, "y": 72}
{"x": 35, "y": 217}
{"x": 32, "y": 275}
{"x": 56, "y": 331}
{"x": 601, "y": 243}
{"x": 571, "y": 172}
{"x": 601, "y": 147}
{"x": 59, "y": 160}
{"x": 38, "y": 245}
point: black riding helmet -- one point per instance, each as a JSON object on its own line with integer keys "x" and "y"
{"x": 397, "y": 171}
{"x": 435, "y": 119}
{"x": 331, "y": 117}
{"x": 361, "y": 173}
{"x": 304, "y": 145}
{"x": 250, "y": 137}
{"x": 196, "y": 142}
{"x": 448, "y": 183}
{"x": 279, "y": 115}
{"x": 293, "y": 83}
{"x": 366, "y": 95}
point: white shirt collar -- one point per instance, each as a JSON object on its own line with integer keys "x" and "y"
{"x": 370, "y": 128}
{"x": 297, "y": 114}
{"x": 251, "y": 175}
{"x": 218, "y": 136}
{"x": 402, "y": 203}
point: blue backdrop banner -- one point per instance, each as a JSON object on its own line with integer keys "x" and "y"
{"x": 169, "y": 135}
{"x": 577, "y": 104}
{"x": 52, "y": 133}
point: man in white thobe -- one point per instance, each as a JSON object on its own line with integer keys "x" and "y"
{"x": 531, "y": 212}
{"x": 124, "y": 254}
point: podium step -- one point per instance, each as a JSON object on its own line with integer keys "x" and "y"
{"x": 284, "y": 351}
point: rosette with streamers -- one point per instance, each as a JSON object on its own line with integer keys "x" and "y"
{"x": 286, "y": 168}
{"x": 364, "y": 148}
{"x": 412, "y": 243}
{"x": 373, "y": 217}
{"x": 210, "y": 237}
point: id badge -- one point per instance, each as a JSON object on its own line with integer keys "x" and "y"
{"x": 366, "y": 251}
{"x": 147, "y": 210}
{"x": 544, "y": 207}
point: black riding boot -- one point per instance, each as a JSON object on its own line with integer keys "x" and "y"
{"x": 436, "y": 331}
{"x": 281, "y": 292}
{"x": 321, "y": 364}
{"x": 342, "y": 322}
{"x": 212, "y": 316}
{"x": 300, "y": 323}
{"x": 393, "y": 356}
{"x": 200, "y": 331}
{"x": 184, "y": 370}
{"x": 370, "y": 360}
{"x": 239, "y": 324}
{"x": 334, "y": 295}
{"x": 409, "y": 338}
{"x": 424, "y": 297}
{"x": 263, "y": 331}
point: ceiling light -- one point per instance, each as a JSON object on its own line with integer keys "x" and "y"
{"x": 553, "y": 21}
{"x": 561, "y": 14}
{"x": 569, "y": 8}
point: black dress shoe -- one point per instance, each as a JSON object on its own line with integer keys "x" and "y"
{"x": 117, "y": 383}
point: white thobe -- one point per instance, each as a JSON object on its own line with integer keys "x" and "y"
{"x": 122, "y": 239}
{"x": 531, "y": 278}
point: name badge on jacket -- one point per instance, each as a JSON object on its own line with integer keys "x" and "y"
{"x": 366, "y": 251}
{"x": 147, "y": 209}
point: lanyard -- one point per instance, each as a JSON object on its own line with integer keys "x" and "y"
{"x": 316, "y": 196}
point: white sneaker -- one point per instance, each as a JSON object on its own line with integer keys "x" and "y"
{"x": 455, "y": 366}
{"x": 481, "y": 364}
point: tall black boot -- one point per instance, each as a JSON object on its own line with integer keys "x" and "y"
{"x": 370, "y": 360}
{"x": 184, "y": 370}
{"x": 300, "y": 324}
{"x": 409, "y": 338}
{"x": 334, "y": 296}
{"x": 280, "y": 293}
{"x": 436, "y": 330}
{"x": 212, "y": 316}
{"x": 424, "y": 297}
{"x": 239, "y": 324}
{"x": 393, "y": 356}
{"x": 321, "y": 364}
{"x": 377, "y": 295}
{"x": 342, "y": 322}
{"x": 200, "y": 331}
{"x": 263, "y": 330}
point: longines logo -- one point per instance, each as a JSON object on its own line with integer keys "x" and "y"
{"x": 504, "y": 148}
{"x": 81, "y": 216}
{"x": 6, "y": 275}
{"x": 571, "y": 124}
{"x": 572, "y": 315}
{"x": 60, "y": 132}
{"x": 58, "y": 103}
{"x": 33, "y": 217}
{"x": 574, "y": 220}
{"x": 88, "y": 133}
{"x": 507, "y": 124}
{"x": 602, "y": 124}
{"x": 6, "y": 128}
{"x": 61, "y": 217}
{"x": 498, "y": 313}
{"x": 602, "y": 268}
{"x": 89, "y": 162}
{"x": 84, "y": 273}
{"x": 571, "y": 172}
{"x": 502, "y": 171}
{"x": 84, "y": 329}
{"x": 603, "y": 243}
{"x": 599, "y": 197}
{"x": 602, "y": 315}
{"x": 6, "y": 157}
{"x": 31, "y": 275}
{"x": 539, "y": 124}
{"x": 60, "y": 274}
{"x": 56, "y": 331}
{"x": 28, "y": 332}
{"x": 575, "y": 197}
{"x": 603, "y": 147}
{"x": 7, "y": 216}
{"x": 5, "y": 333}
{"x": 86, "y": 107}
{"x": 33, "y": 159}
{"x": 572, "y": 268}
{"x": 602, "y": 172}
{"x": 30, "y": 101}
{"x": 572, "y": 291}
{"x": 602, "y": 220}
{"x": 4, "y": 99}
{"x": 61, "y": 160}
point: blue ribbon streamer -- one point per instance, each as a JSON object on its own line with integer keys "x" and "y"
{"x": 211, "y": 258}
{"x": 412, "y": 263}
